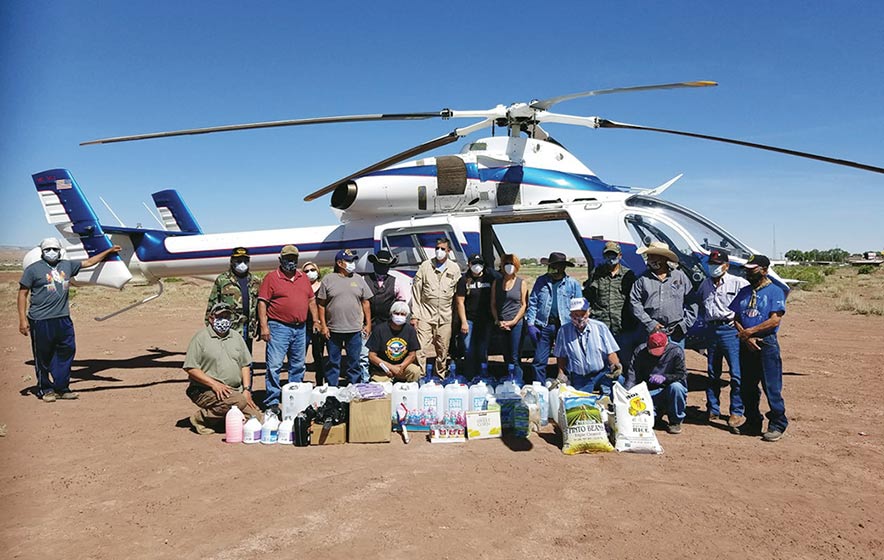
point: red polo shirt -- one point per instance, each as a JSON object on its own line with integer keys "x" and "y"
{"x": 287, "y": 298}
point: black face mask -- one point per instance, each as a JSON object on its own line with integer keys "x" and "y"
{"x": 288, "y": 265}
{"x": 381, "y": 269}
{"x": 753, "y": 276}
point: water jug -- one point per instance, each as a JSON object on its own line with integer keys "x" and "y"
{"x": 405, "y": 393}
{"x": 319, "y": 394}
{"x": 478, "y": 392}
{"x": 270, "y": 429}
{"x": 296, "y": 397}
{"x": 233, "y": 425}
{"x": 431, "y": 399}
{"x": 457, "y": 397}
{"x": 252, "y": 431}
{"x": 507, "y": 389}
{"x": 542, "y": 401}
{"x": 285, "y": 431}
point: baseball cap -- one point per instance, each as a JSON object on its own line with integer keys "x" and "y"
{"x": 579, "y": 304}
{"x": 50, "y": 243}
{"x": 348, "y": 255}
{"x": 756, "y": 261}
{"x": 221, "y": 307}
{"x": 477, "y": 259}
{"x": 718, "y": 257}
{"x": 239, "y": 252}
{"x": 289, "y": 250}
{"x": 612, "y": 247}
{"x": 657, "y": 343}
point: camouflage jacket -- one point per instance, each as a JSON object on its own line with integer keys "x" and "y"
{"x": 226, "y": 289}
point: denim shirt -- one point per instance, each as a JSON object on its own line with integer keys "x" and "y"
{"x": 540, "y": 300}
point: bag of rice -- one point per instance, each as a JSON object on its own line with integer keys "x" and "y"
{"x": 582, "y": 422}
{"x": 634, "y": 420}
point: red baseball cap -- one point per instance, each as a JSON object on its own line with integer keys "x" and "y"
{"x": 657, "y": 343}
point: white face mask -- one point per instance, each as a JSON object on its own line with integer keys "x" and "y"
{"x": 719, "y": 271}
{"x": 51, "y": 256}
{"x": 241, "y": 268}
{"x": 350, "y": 267}
{"x": 399, "y": 319}
{"x": 477, "y": 269}
{"x": 441, "y": 254}
{"x": 313, "y": 275}
{"x": 509, "y": 268}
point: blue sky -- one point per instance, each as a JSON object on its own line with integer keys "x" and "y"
{"x": 802, "y": 75}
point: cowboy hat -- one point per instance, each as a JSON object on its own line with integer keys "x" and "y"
{"x": 383, "y": 257}
{"x": 658, "y": 248}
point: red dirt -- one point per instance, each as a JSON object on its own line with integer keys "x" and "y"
{"x": 116, "y": 475}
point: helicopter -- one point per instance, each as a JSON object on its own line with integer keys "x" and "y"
{"x": 404, "y": 204}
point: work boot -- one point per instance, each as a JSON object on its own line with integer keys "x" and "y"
{"x": 712, "y": 417}
{"x": 68, "y": 396}
{"x": 674, "y": 428}
{"x": 49, "y": 397}
{"x": 735, "y": 421}
{"x": 772, "y": 435}
{"x": 198, "y": 424}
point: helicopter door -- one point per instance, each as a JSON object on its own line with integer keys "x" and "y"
{"x": 413, "y": 241}
{"x": 451, "y": 183}
{"x": 646, "y": 229}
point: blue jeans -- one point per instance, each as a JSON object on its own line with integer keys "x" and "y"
{"x": 54, "y": 346}
{"x": 542, "y": 350}
{"x": 765, "y": 367}
{"x": 363, "y": 362}
{"x": 352, "y": 343}
{"x": 595, "y": 382}
{"x": 284, "y": 340}
{"x": 628, "y": 341}
{"x": 723, "y": 343}
{"x": 512, "y": 353}
{"x": 475, "y": 347}
{"x": 670, "y": 399}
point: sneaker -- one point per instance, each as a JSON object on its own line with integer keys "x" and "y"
{"x": 674, "y": 428}
{"x": 197, "y": 424}
{"x": 772, "y": 435}
{"x": 49, "y": 397}
{"x": 735, "y": 421}
{"x": 68, "y": 396}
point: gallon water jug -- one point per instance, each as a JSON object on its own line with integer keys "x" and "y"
{"x": 542, "y": 401}
{"x": 457, "y": 398}
{"x": 431, "y": 396}
{"x": 296, "y": 397}
{"x": 319, "y": 394}
{"x": 252, "y": 431}
{"x": 478, "y": 392}
{"x": 233, "y": 425}
{"x": 405, "y": 393}
{"x": 285, "y": 431}
{"x": 270, "y": 429}
{"x": 508, "y": 389}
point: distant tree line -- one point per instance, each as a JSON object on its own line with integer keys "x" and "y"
{"x": 816, "y": 255}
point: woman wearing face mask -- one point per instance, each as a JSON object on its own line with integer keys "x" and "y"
{"x": 314, "y": 338}
{"x": 238, "y": 288}
{"x": 472, "y": 297}
{"x": 509, "y": 302}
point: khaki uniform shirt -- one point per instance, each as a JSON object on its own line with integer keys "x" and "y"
{"x": 433, "y": 291}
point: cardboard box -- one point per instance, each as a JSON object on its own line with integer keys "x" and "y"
{"x": 370, "y": 421}
{"x": 483, "y": 424}
{"x": 336, "y": 434}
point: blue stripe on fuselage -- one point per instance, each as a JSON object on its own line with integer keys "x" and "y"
{"x": 510, "y": 174}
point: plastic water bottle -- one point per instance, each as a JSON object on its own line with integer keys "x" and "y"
{"x": 233, "y": 422}
{"x": 483, "y": 369}
{"x": 452, "y": 372}
{"x": 252, "y": 431}
{"x": 511, "y": 372}
{"x": 429, "y": 375}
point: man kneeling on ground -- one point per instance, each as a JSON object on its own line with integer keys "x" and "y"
{"x": 217, "y": 364}
{"x": 393, "y": 346}
{"x": 660, "y": 363}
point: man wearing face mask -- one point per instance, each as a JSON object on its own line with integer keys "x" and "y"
{"x": 48, "y": 317}
{"x": 285, "y": 301}
{"x": 716, "y": 294}
{"x": 472, "y": 297}
{"x": 549, "y": 308}
{"x": 432, "y": 299}
{"x": 238, "y": 288}
{"x": 393, "y": 346}
{"x": 217, "y": 364}
{"x": 608, "y": 290}
{"x": 586, "y": 351}
{"x": 659, "y": 298}
{"x": 387, "y": 286}
{"x": 759, "y": 308}
{"x": 344, "y": 316}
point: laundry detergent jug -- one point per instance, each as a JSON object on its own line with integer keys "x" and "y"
{"x": 252, "y": 431}
{"x": 270, "y": 429}
{"x": 285, "y": 431}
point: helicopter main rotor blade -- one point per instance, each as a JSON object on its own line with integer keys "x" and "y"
{"x": 605, "y": 123}
{"x": 271, "y": 124}
{"x": 452, "y": 136}
{"x": 545, "y": 104}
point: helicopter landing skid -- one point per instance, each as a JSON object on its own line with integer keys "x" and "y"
{"x": 134, "y": 305}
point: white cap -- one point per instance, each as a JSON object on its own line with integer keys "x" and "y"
{"x": 50, "y": 243}
{"x": 579, "y": 304}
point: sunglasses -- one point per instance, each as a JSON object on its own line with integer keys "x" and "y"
{"x": 310, "y": 270}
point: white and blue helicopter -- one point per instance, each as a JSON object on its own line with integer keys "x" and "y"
{"x": 404, "y": 206}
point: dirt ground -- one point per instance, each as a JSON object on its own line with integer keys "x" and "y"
{"x": 118, "y": 473}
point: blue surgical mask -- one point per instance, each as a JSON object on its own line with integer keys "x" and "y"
{"x": 718, "y": 271}
{"x": 221, "y": 325}
{"x": 350, "y": 267}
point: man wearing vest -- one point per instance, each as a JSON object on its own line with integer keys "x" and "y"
{"x": 387, "y": 286}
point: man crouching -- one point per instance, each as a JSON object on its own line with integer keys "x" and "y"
{"x": 217, "y": 364}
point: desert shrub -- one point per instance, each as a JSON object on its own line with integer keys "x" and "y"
{"x": 810, "y": 277}
{"x": 867, "y": 269}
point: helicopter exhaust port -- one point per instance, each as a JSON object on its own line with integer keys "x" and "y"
{"x": 344, "y": 196}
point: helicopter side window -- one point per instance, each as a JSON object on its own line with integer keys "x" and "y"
{"x": 645, "y": 230}
{"x": 405, "y": 248}
{"x": 414, "y": 246}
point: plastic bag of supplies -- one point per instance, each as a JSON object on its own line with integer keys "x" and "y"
{"x": 634, "y": 420}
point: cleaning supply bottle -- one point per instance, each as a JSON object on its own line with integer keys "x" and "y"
{"x": 252, "y": 431}
{"x": 542, "y": 401}
{"x": 286, "y": 428}
{"x": 233, "y": 425}
{"x": 270, "y": 429}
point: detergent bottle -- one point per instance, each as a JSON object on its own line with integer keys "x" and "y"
{"x": 270, "y": 429}
{"x": 285, "y": 431}
{"x": 233, "y": 425}
{"x": 252, "y": 431}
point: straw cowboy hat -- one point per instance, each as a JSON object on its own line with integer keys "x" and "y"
{"x": 658, "y": 248}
